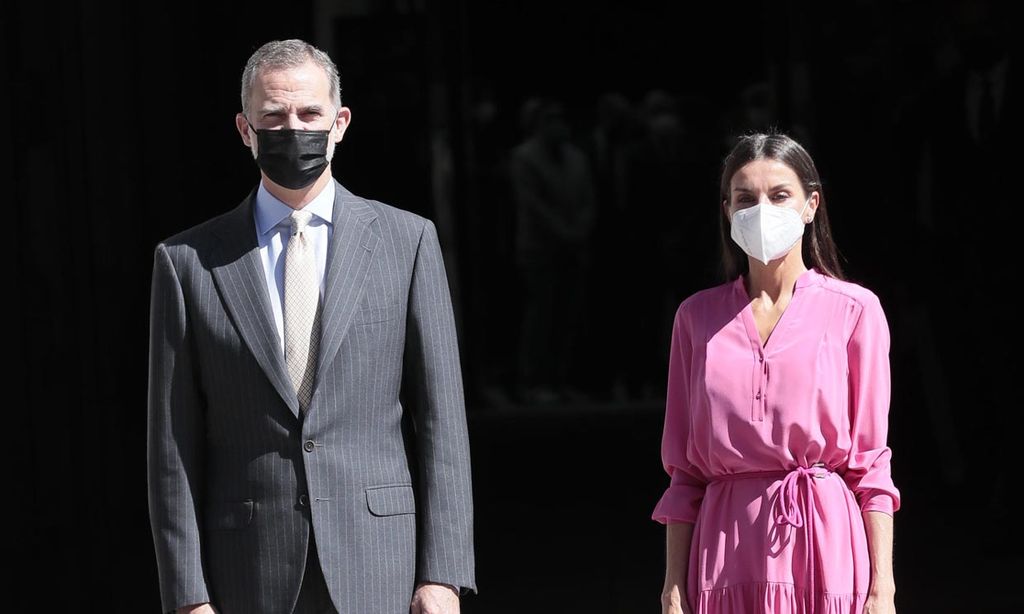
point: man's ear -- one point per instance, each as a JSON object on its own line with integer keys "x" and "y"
{"x": 341, "y": 123}
{"x": 242, "y": 125}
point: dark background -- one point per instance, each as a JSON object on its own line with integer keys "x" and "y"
{"x": 118, "y": 131}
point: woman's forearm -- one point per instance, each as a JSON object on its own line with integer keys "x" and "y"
{"x": 677, "y": 559}
{"x": 879, "y": 532}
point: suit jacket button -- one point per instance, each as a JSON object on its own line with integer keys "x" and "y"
{"x": 308, "y": 446}
{"x": 303, "y": 500}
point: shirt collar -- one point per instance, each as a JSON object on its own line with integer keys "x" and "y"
{"x": 808, "y": 277}
{"x": 270, "y": 212}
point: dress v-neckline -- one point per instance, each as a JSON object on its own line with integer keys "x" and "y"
{"x": 750, "y": 323}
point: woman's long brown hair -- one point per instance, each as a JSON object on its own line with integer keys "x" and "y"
{"x": 819, "y": 250}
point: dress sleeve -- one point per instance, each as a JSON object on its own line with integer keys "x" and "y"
{"x": 867, "y": 472}
{"x": 681, "y": 500}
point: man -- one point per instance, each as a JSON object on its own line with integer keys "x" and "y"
{"x": 285, "y": 475}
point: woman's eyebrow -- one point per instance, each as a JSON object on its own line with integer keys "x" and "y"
{"x": 781, "y": 186}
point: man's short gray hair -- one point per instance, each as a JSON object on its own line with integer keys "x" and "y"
{"x": 290, "y": 53}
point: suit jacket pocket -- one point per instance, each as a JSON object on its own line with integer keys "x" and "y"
{"x": 391, "y": 500}
{"x": 229, "y": 515}
{"x": 376, "y": 313}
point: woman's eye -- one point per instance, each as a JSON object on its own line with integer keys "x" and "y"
{"x": 781, "y": 196}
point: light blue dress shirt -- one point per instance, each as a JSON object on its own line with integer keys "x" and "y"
{"x": 273, "y": 229}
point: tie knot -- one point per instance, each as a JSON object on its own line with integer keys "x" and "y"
{"x": 300, "y": 219}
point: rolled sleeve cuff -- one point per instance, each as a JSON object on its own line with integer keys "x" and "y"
{"x": 879, "y": 501}
{"x": 680, "y": 503}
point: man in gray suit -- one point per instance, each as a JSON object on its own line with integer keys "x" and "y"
{"x": 285, "y": 473}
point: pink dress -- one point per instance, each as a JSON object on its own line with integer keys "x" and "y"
{"x": 775, "y": 450}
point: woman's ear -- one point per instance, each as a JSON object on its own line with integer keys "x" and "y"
{"x": 812, "y": 206}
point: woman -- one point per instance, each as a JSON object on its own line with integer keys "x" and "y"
{"x": 780, "y": 497}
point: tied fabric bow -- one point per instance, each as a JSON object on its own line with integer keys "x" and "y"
{"x": 788, "y": 502}
{"x": 788, "y": 511}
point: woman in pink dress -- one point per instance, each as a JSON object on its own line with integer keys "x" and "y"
{"x": 780, "y": 498}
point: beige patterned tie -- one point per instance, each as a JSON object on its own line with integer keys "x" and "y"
{"x": 301, "y": 308}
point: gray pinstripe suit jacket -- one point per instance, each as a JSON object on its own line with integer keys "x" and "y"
{"x": 238, "y": 479}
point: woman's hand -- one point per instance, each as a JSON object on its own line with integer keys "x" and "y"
{"x": 678, "y": 536}
{"x": 673, "y": 601}
{"x": 880, "y": 602}
{"x": 882, "y": 592}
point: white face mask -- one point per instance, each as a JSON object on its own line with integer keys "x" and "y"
{"x": 766, "y": 231}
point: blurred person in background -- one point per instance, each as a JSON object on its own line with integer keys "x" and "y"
{"x": 555, "y": 209}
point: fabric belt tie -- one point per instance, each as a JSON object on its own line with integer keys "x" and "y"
{"x": 787, "y": 509}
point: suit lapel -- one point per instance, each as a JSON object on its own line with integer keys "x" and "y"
{"x": 238, "y": 273}
{"x": 348, "y": 259}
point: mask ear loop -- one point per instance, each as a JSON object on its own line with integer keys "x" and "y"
{"x": 807, "y": 203}
{"x": 253, "y": 137}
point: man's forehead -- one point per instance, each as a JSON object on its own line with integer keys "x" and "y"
{"x": 291, "y": 85}
{"x": 303, "y": 105}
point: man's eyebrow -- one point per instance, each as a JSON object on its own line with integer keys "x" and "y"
{"x": 271, "y": 109}
{"x": 312, "y": 108}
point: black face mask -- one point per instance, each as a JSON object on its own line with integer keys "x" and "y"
{"x": 292, "y": 159}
